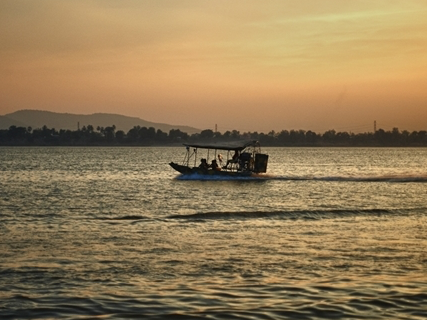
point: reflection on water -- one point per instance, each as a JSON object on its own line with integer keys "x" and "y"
{"x": 112, "y": 232}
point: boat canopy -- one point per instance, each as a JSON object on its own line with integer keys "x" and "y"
{"x": 238, "y": 145}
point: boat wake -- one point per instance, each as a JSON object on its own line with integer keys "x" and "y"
{"x": 264, "y": 177}
{"x": 385, "y": 178}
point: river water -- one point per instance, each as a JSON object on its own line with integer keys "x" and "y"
{"x": 115, "y": 233}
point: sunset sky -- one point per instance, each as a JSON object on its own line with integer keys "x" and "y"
{"x": 245, "y": 65}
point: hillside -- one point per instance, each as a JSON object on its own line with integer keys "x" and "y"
{"x": 37, "y": 119}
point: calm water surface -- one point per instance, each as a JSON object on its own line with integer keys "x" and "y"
{"x": 115, "y": 233}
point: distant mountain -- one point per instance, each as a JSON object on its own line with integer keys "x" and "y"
{"x": 6, "y": 122}
{"x": 37, "y": 119}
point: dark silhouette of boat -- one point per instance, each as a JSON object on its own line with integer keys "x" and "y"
{"x": 238, "y": 159}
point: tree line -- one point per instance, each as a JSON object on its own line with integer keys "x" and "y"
{"x": 143, "y": 136}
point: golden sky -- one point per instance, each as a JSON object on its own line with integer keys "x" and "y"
{"x": 245, "y": 65}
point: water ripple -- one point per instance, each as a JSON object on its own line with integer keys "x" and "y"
{"x": 300, "y": 214}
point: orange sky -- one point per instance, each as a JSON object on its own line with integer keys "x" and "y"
{"x": 245, "y": 65}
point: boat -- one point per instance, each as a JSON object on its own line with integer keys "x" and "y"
{"x": 237, "y": 159}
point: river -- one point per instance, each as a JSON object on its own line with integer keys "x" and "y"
{"x": 115, "y": 233}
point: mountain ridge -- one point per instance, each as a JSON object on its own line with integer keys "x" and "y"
{"x": 70, "y": 121}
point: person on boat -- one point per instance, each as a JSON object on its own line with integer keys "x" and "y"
{"x": 234, "y": 159}
{"x": 203, "y": 164}
{"x": 215, "y": 166}
{"x": 220, "y": 159}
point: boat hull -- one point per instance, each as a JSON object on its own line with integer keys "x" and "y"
{"x": 195, "y": 170}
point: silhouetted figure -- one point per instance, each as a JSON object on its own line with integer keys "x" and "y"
{"x": 214, "y": 165}
{"x": 234, "y": 159}
{"x": 203, "y": 164}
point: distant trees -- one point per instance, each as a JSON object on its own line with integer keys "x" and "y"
{"x": 143, "y": 136}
